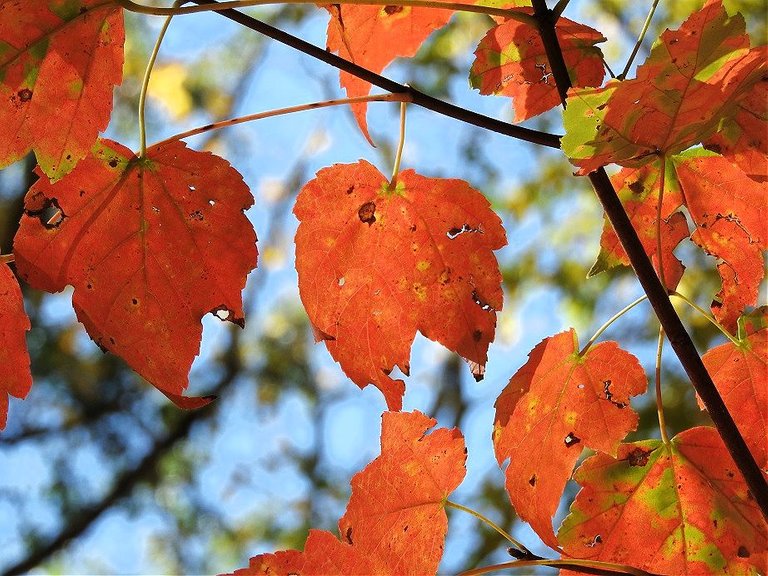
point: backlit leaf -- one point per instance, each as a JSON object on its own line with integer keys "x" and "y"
{"x": 693, "y": 78}
{"x": 395, "y": 521}
{"x": 557, "y": 404}
{"x": 741, "y": 375}
{"x": 510, "y": 60}
{"x": 373, "y": 36}
{"x": 15, "y": 375}
{"x": 730, "y": 211}
{"x": 377, "y": 264}
{"x": 638, "y": 189}
{"x": 58, "y": 64}
{"x": 677, "y": 509}
{"x": 150, "y": 245}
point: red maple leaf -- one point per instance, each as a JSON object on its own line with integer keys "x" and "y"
{"x": 694, "y": 78}
{"x": 15, "y": 375}
{"x": 742, "y": 139}
{"x": 373, "y": 36}
{"x": 557, "y": 404}
{"x": 511, "y": 60}
{"x": 395, "y": 521}
{"x": 150, "y": 245}
{"x": 730, "y": 211}
{"x": 741, "y": 375}
{"x": 384, "y": 262}
{"x": 671, "y": 509}
{"x": 58, "y": 64}
{"x": 638, "y": 189}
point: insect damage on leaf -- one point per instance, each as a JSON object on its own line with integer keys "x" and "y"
{"x": 385, "y": 263}
{"x": 145, "y": 268}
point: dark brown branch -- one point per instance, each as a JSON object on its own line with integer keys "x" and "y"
{"x": 418, "y": 98}
{"x": 679, "y": 338}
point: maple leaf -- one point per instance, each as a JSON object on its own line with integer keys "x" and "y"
{"x": 730, "y": 211}
{"x": 638, "y": 190}
{"x": 511, "y": 60}
{"x": 557, "y": 404}
{"x": 150, "y": 245}
{"x": 740, "y": 373}
{"x": 742, "y": 139}
{"x": 694, "y": 78}
{"x": 15, "y": 375}
{"x": 385, "y": 262}
{"x": 373, "y": 36}
{"x": 395, "y": 521}
{"x": 686, "y": 499}
{"x": 59, "y": 62}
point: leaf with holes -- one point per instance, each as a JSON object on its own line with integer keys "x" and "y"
{"x": 639, "y": 189}
{"x": 373, "y": 36}
{"x": 730, "y": 211}
{"x": 694, "y": 78}
{"x": 743, "y": 139}
{"x": 741, "y": 375}
{"x": 58, "y": 64}
{"x": 386, "y": 261}
{"x": 395, "y": 521}
{"x": 150, "y": 245}
{"x": 510, "y": 60}
{"x": 557, "y": 404}
{"x": 15, "y": 375}
{"x": 687, "y": 500}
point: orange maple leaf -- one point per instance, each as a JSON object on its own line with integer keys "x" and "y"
{"x": 58, "y": 64}
{"x": 15, "y": 375}
{"x": 670, "y": 509}
{"x": 150, "y": 245}
{"x": 377, "y": 263}
{"x": 557, "y": 404}
{"x": 511, "y": 60}
{"x": 395, "y": 521}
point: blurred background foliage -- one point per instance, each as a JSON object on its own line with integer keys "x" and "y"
{"x": 100, "y": 474}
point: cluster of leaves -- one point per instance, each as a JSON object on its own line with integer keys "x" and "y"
{"x": 153, "y": 241}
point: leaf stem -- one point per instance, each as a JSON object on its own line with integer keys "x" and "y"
{"x": 7, "y": 258}
{"x": 282, "y": 111}
{"x": 704, "y": 313}
{"x": 145, "y": 83}
{"x": 639, "y": 42}
{"x": 400, "y": 146}
{"x": 588, "y": 566}
{"x": 659, "y": 401}
{"x": 418, "y": 98}
{"x": 610, "y": 321}
{"x": 510, "y": 14}
{"x": 491, "y": 523}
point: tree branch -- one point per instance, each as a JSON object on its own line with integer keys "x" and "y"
{"x": 418, "y": 98}
{"x": 679, "y": 338}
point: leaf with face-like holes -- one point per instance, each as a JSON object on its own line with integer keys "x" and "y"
{"x": 639, "y": 189}
{"x": 677, "y": 509}
{"x": 395, "y": 521}
{"x": 730, "y": 211}
{"x": 511, "y": 61}
{"x": 557, "y": 404}
{"x": 58, "y": 64}
{"x": 15, "y": 375}
{"x": 741, "y": 375}
{"x": 150, "y": 245}
{"x": 373, "y": 36}
{"x": 694, "y": 78}
{"x": 376, "y": 264}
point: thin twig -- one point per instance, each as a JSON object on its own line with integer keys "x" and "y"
{"x": 639, "y": 41}
{"x": 516, "y": 543}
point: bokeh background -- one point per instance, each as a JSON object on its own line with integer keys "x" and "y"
{"x": 100, "y": 474}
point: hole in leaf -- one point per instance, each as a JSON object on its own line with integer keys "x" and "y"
{"x": 348, "y": 535}
{"x": 135, "y": 301}
{"x": 742, "y": 552}
{"x": 46, "y": 210}
{"x": 113, "y": 162}
{"x": 482, "y": 303}
{"x": 638, "y": 457}
{"x": 25, "y": 95}
{"x": 595, "y": 541}
{"x": 391, "y": 10}
{"x": 571, "y": 439}
{"x": 580, "y": 386}
{"x": 454, "y": 232}
{"x": 532, "y": 480}
{"x": 367, "y": 213}
{"x": 342, "y": 281}
{"x": 212, "y": 202}
{"x": 191, "y": 188}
